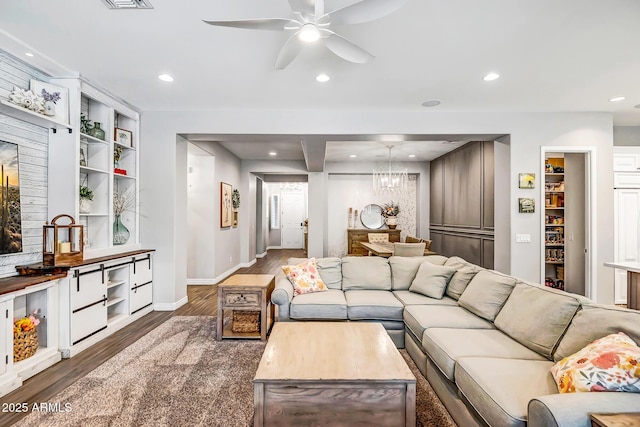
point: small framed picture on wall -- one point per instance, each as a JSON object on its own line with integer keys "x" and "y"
{"x": 527, "y": 180}
{"x": 526, "y": 205}
{"x": 226, "y": 212}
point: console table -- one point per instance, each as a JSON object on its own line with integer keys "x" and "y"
{"x": 357, "y": 235}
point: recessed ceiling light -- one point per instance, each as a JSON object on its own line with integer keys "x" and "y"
{"x": 412, "y": 155}
{"x": 165, "y": 77}
{"x": 323, "y": 78}
{"x": 491, "y": 77}
{"x": 29, "y": 54}
{"x": 273, "y": 153}
{"x": 617, "y": 99}
{"x": 309, "y": 33}
{"x": 353, "y": 156}
{"x": 450, "y": 142}
{"x": 431, "y": 103}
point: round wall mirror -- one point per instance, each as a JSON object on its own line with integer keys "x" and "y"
{"x": 371, "y": 216}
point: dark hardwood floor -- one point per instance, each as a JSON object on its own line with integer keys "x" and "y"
{"x": 202, "y": 302}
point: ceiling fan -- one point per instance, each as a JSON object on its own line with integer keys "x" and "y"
{"x": 310, "y": 23}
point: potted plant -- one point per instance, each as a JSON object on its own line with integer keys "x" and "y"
{"x": 235, "y": 202}
{"x": 86, "y": 196}
{"x": 390, "y": 212}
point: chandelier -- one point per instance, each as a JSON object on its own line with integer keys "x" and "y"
{"x": 390, "y": 180}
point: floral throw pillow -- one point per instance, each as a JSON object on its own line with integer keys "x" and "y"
{"x": 611, "y": 363}
{"x": 305, "y": 277}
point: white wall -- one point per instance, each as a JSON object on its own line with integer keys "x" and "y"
{"x": 626, "y": 135}
{"x": 528, "y": 132}
{"x": 201, "y": 219}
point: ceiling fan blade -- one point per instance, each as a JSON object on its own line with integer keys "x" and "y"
{"x": 289, "y": 51}
{"x": 273, "y": 24}
{"x": 364, "y": 11}
{"x": 346, "y": 49}
{"x": 305, "y": 7}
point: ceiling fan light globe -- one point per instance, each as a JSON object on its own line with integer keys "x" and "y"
{"x": 309, "y": 33}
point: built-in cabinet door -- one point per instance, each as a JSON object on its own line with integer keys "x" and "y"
{"x": 88, "y": 321}
{"x": 141, "y": 297}
{"x": 626, "y": 162}
{"x": 5, "y": 332}
{"x": 141, "y": 292}
{"x": 627, "y": 238}
{"x": 88, "y": 288}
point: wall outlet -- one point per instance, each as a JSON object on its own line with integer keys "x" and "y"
{"x": 523, "y": 238}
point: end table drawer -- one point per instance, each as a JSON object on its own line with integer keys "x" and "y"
{"x": 242, "y": 299}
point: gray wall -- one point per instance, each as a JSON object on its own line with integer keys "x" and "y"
{"x": 462, "y": 203}
{"x": 33, "y": 142}
{"x": 626, "y": 135}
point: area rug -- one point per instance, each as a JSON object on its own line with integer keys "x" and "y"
{"x": 178, "y": 375}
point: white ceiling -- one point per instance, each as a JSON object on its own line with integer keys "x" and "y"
{"x": 570, "y": 55}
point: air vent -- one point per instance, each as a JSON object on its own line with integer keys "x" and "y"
{"x": 128, "y": 4}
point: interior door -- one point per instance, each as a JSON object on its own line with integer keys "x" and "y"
{"x": 293, "y": 214}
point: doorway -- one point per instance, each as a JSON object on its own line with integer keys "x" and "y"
{"x": 568, "y": 219}
{"x": 293, "y": 213}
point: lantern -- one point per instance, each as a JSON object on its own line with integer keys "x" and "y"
{"x": 62, "y": 245}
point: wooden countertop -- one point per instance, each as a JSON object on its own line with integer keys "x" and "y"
{"x": 16, "y": 283}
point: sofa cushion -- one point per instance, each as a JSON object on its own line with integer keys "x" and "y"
{"x": 330, "y": 270}
{"x": 304, "y": 277}
{"x": 500, "y": 389}
{"x": 537, "y": 316}
{"x": 328, "y": 305}
{"x": 596, "y": 321}
{"x": 486, "y": 293}
{"x": 368, "y": 272}
{"x": 375, "y": 305}
{"x": 403, "y": 271}
{"x": 431, "y": 280}
{"x": 436, "y": 259}
{"x": 607, "y": 364}
{"x": 412, "y": 298}
{"x": 418, "y": 318}
{"x": 445, "y": 346}
{"x": 465, "y": 272}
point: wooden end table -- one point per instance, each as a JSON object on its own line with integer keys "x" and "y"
{"x": 615, "y": 420}
{"x": 245, "y": 292}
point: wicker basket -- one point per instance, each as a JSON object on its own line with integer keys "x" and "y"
{"x": 246, "y": 321}
{"x": 25, "y": 344}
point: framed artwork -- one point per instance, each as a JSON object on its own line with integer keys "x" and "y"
{"x": 527, "y": 180}
{"x": 226, "y": 212}
{"x": 123, "y": 137}
{"x": 11, "y": 217}
{"x": 59, "y": 96}
{"x": 526, "y": 205}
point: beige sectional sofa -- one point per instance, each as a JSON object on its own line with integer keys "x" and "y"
{"x": 486, "y": 347}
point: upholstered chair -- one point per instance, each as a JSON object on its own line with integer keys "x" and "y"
{"x": 378, "y": 237}
{"x": 408, "y": 249}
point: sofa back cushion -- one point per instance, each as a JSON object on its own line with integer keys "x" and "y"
{"x": 330, "y": 270}
{"x": 537, "y": 316}
{"x": 431, "y": 280}
{"x": 486, "y": 293}
{"x": 596, "y": 321}
{"x": 465, "y": 272}
{"x": 366, "y": 272}
{"x": 403, "y": 271}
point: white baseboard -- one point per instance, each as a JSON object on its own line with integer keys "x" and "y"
{"x": 230, "y": 271}
{"x": 262, "y": 255}
{"x": 201, "y": 281}
{"x": 274, "y": 247}
{"x": 171, "y": 306}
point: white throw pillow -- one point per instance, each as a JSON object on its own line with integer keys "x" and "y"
{"x": 431, "y": 280}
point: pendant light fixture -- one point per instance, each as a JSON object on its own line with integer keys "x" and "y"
{"x": 390, "y": 180}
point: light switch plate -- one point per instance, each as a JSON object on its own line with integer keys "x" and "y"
{"x": 523, "y": 238}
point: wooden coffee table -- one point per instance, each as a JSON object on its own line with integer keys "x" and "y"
{"x": 333, "y": 373}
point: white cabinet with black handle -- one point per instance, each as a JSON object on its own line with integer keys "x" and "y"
{"x": 88, "y": 303}
{"x": 141, "y": 293}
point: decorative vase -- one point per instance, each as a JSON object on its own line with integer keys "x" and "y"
{"x": 85, "y": 206}
{"x": 120, "y": 232}
{"x": 49, "y": 108}
{"x": 96, "y": 131}
{"x": 392, "y": 222}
